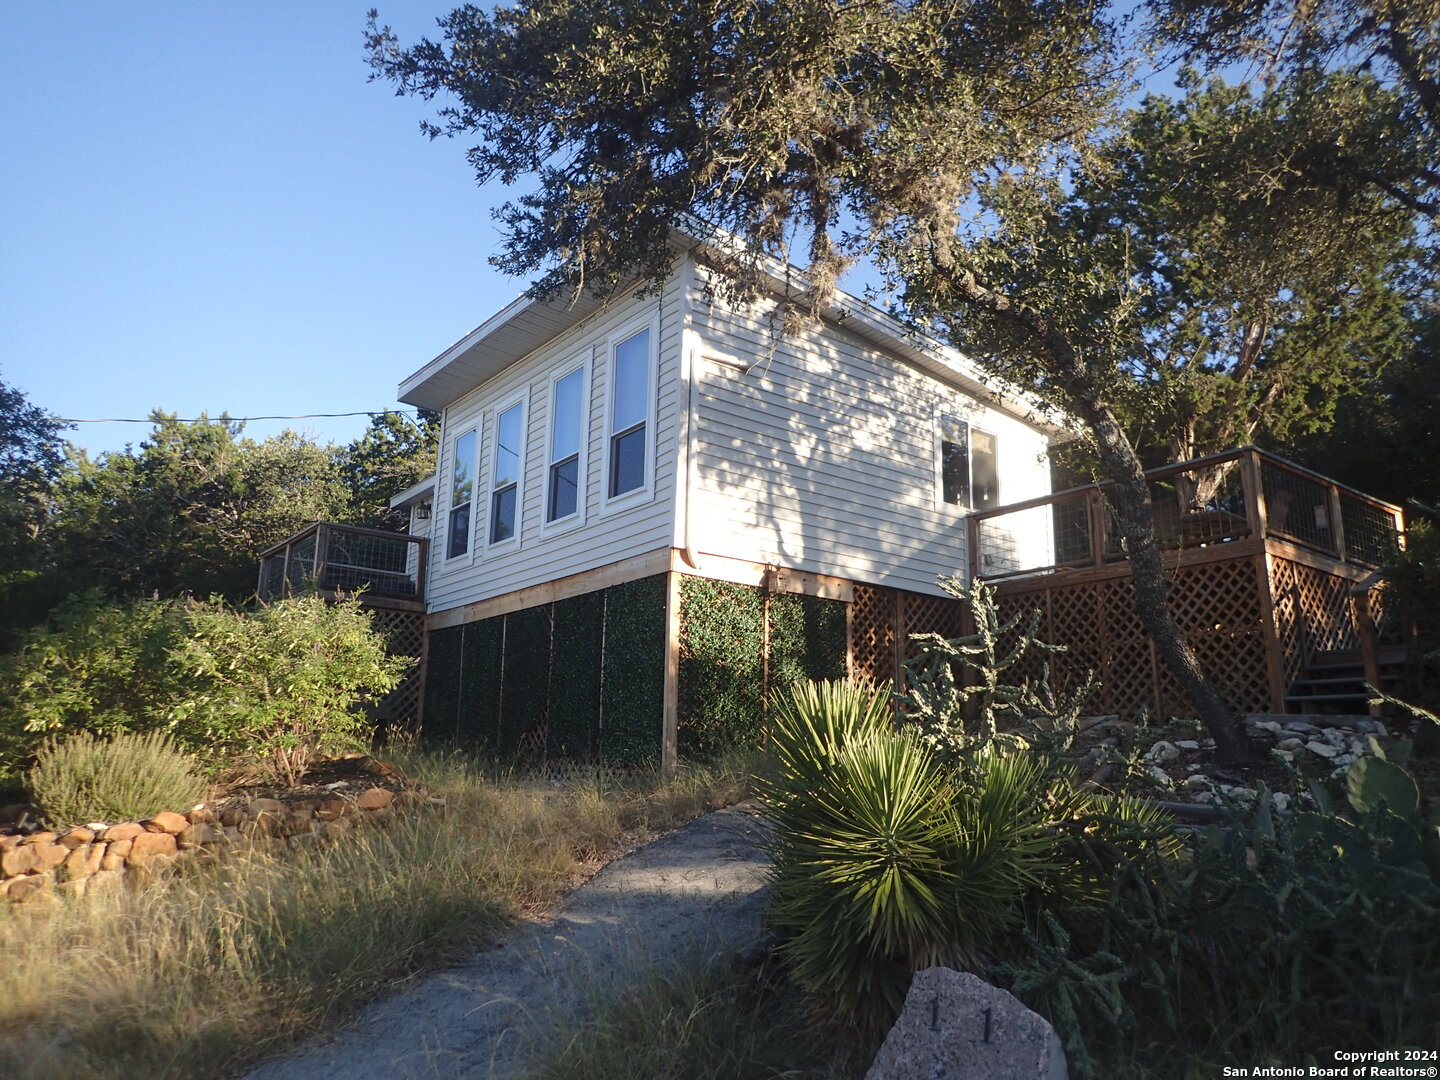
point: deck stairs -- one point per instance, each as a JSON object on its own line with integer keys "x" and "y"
{"x": 1334, "y": 681}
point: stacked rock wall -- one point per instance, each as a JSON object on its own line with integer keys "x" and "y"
{"x": 43, "y": 865}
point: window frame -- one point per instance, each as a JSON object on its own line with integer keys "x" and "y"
{"x": 450, "y": 504}
{"x": 645, "y": 491}
{"x": 579, "y": 365}
{"x": 942, "y": 415}
{"x": 493, "y": 416}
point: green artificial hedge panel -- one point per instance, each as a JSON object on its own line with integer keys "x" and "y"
{"x": 527, "y": 677}
{"x": 633, "y": 680}
{"x": 480, "y": 674}
{"x": 574, "y": 691}
{"x": 721, "y": 700}
{"x": 808, "y": 639}
{"x": 442, "y": 682}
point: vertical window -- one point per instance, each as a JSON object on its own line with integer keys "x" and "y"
{"x": 462, "y": 490}
{"x": 629, "y": 409}
{"x": 969, "y": 472}
{"x": 505, "y": 484}
{"x": 567, "y": 414}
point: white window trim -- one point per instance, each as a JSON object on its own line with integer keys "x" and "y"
{"x": 582, "y": 466}
{"x": 644, "y": 493}
{"x": 492, "y": 421}
{"x": 469, "y": 552}
{"x": 966, "y": 416}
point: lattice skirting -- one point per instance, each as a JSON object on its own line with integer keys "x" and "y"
{"x": 405, "y": 633}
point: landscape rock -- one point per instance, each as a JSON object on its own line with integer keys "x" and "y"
{"x": 27, "y": 890}
{"x": 49, "y": 855}
{"x": 333, "y": 809}
{"x": 43, "y": 837}
{"x": 1187, "y": 744}
{"x": 201, "y": 816}
{"x": 19, "y": 860}
{"x": 77, "y": 838}
{"x": 168, "y": 822}
{"x": 1162, "y": 751}
{"x": 1325, "y": 750}
{"x": 955, "y": 1025}
{"x": 202, "y": 833}
{"x": 84, "y": 861}
{"x": 9, "y": 843}
{"x": 375, "y": 798}
{"x": 127, "y": 830}
{"x": 147, "y": 847}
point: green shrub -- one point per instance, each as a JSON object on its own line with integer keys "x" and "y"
{"x": 275, "y": 686}
{"x": 97, "y": 666}
{"x": 890, "y": 858}
{"x": 279, "y": 686}
{"x": 126, "y": 777}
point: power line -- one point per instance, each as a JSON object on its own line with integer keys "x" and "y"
{"x": 229, "y": 419}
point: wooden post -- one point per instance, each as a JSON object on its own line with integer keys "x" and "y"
{"x": 1369, "y": 636}
{"x": 422, "y": 560}
{"x": 322, "y": 554}
{"x": 1274, "y": 660}
{"x": 670, "y": 721}
{"x": 1097, "y": 528}
{"x": 898, "y": 642}
{"x": 1337, "y": 523}
{"x": 285, "y": 575}
{"x": 1253, "y": 481}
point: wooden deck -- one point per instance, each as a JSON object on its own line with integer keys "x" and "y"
{"x": 1271, "y": 568}
{"x": 385, "y": 570}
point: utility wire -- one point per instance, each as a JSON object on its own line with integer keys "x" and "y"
{"x": 230, "y": 419}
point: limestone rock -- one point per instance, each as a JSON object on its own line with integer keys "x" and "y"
{"x": 43, "y": 837}
{"x": 49, "y": 855}
{"x": 27, "y": 890}
{"x": 333, "y": 809}
{"x": 125, "y": 831}
{"x": 168, "y": 822}
{"x": 19, "y": 860}
{"x": 374, "y": 798}
{"x": 84, "y": 861}
{"x": 1325, "y": 750}
{"x": 202, "y": 833}
{"x": 201, "y": 816}
{"x": 10, "y": 843}
{"x": 77, "y": 838}
{"x": 147, "y": 847}
{"x": 955, "y": 1025}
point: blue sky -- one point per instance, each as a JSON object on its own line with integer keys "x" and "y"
{"x": 207, "y": 207}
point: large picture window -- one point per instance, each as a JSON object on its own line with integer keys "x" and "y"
{"x": 629, "y": 413}
{"x": 462, "y": 493}
{"x": 969, "y": 471}
{"x": 567, "y": 422}
{"x": 505, "y": 478}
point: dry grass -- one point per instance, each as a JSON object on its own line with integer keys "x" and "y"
{"x": 197, "y": 974}
{"x": 702, "y": 1023}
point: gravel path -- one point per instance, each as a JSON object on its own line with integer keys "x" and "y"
{"x": 694, "y": 893}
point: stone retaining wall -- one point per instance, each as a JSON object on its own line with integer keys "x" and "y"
{"x": 45, "y": 864}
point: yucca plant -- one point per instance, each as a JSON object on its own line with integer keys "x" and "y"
{"x": 889, "y": 858}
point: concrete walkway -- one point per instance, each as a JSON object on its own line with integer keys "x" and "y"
{"x": 694, "y": 893}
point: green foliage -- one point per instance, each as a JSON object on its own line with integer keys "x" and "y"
{"x": 189, "y": 510}
{"x": 633, "y": 676}
{"x": 1295, "y": 936}
{"x": 807, "y": 639}
{"x": 523, "y": 699}
{"x": 722, "y": 666}
{"x": 98, "y": 667}
{"x": 31, "y": 459}
{"x": 889, "y": 858}
{"x": 953, "y": 677}
{"x": 125, "y": 777}
{"x": 284, "y": 684}
{"x": 574, "y": 712}
{"x": 394, "y": 453}
{"x": 443, "y": 651}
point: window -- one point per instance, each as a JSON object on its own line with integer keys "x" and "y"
{"x": 567, "y": 421}
{"x": 462, "y": 489}
{"x": 629, "y": 413}
{"x": 505, "y": 479}
{"x": 969, "y": 475}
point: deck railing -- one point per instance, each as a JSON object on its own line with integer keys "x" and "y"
{"x": 1222, "y": 499}
{"x": 327, "y": 556}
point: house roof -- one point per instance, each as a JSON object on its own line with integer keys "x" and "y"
{"x": 419, "y": 491}
{"x": 525, "y": 324}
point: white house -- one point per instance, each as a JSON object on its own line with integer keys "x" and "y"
{"x": 624, "y": 487}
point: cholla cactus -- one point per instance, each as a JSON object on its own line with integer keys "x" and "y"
{"x": 1016, "y": 713}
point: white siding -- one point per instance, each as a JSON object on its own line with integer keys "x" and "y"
{"x": 606, "y": 534}
{"x": 823, "y": 455}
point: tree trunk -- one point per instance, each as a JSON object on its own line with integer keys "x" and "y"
{"x": 1133, "y": 507}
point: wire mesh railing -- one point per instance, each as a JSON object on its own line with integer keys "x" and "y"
{"x": 327, "y": 557}
{"x": 1221, "y": 499}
